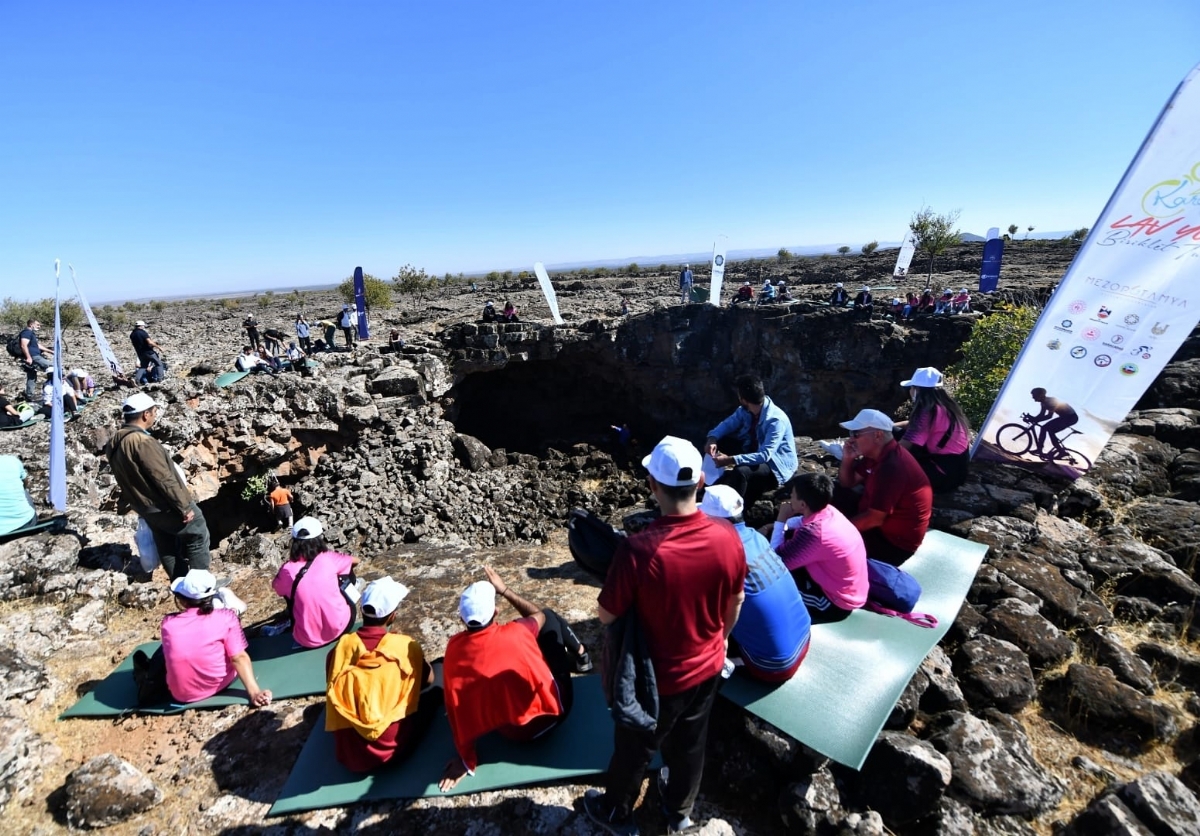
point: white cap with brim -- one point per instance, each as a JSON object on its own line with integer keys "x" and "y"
{"x": 196, "y": 585}
{"x": 926, "y": 378}
{"x": 137, "y": 403}
{"x": 869, "y": 419}
{"x": 381, "y": 597}
{"x": 306, "y": 528}
{"x": 477, "y": 606}
{"x": 675, "y": 462}
{"x": 139, "y": 324}
{"x": 722, "y": 501}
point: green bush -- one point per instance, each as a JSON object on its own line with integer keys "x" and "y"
{"x": 843, "y": 250}
{"x": 377, "y": 292}
{"x": 987, "y": 358}
{"x": 632, "y": 269}
{"x": 15, "y": 314}
{"x": 870, "y": 247}
{"x": 255, "y": 488}
{"x": 229, "y": 304}
{"x": 784, "y": 254}
{"x": 158, "y": 305}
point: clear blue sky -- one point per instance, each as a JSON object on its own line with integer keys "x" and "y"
{"x": 169, "y": 148}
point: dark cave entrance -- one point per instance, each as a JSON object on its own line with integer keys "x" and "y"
{"x": 529, "y": 407}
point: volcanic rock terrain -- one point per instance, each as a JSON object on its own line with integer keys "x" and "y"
{"x": 1063, "y": 696}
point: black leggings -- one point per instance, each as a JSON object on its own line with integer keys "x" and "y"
{"x": 559, "y": 645}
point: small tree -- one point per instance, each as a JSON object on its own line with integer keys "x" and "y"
{"x": 934, "y": 233}
{"x": 870, "y": 247}
{"x": 784, "y": 254}
{"x": 987, "y": 357}
{"x": 843, "y": 249}
{"x": 16, "y": 314}
{"x": 411, "y": 280}
{"x": 1012, "y": 230}
{"x": 376, "y": 291}
{"x": 1028, "y": 230}
{"x": 1079, "y": 234}
{"x": 632, "y": 269}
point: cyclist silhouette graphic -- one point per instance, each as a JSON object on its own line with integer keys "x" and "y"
{"x": 1054, "y": 417}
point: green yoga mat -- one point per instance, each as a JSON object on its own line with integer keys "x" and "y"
{"x": 580, "y": 746}
{"x": 857, "y": 669}
{"x": 229, "y": 378}
{"x": 53, "y": 525}
{"x": 37, "y": 419}
{"x": 280, "y": 666}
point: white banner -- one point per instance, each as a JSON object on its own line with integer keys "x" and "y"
{"x": 1127, "y": 302}
{"x": 718, "y": 271}
{"x": 101, "y": 341}
{"x": 58, "y": 438}
{"x": 548, "y": 290}
{"x": 904, "y": 259}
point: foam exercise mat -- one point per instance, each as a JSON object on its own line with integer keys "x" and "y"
{"x": 857, "y": 669}
{"x": 280, "y": 666}
{"x": 581, "y": 746}
{"x": 229, "y": 378}
{"x": 52, "y": 525}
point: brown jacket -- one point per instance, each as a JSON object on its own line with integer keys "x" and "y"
{"x": 146, "y": 474}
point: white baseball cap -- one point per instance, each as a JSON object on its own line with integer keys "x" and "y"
{"x": 196, "y": 585}
{"x": 306, "y": 528}
{"x": 926, "y": 377}
{"x": 722, "y": 501}
{"x": 477, "y": 606}
{"x": 381, "y": 597}
{"x": 869, "y": 419}
{"x": 674, "y": 462}
{"x": 137, "y": 403}
{"x": 140, "y": 324}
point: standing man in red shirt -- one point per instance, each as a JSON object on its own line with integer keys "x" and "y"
{"x": 681, "y": 578}
{"x": 514, "y": 678}
{"x": 893, "y": 512}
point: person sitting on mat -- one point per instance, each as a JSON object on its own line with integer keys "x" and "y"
{"x": 937, "y": 432}
{"x": 203, "y": 645}
{"x": 16, "y": 505}
{"x": 318, "y": 585}
{"x": 379, "y": 698}
{"x": 892, "y": 513}
{"x": 772, "y": 632}
{"x": 512, "y": 678}
{"x": 248, "y": 361}
{"x": 821, "y": 548}
{"x": 9, "y": 416}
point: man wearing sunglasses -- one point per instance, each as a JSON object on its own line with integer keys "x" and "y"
{"x": 896, "y": 501}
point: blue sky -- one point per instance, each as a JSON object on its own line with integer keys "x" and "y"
{"x": 166, "y": 149}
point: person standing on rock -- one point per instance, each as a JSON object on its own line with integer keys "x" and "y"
{"x": 682, "y": 579}
{"x": 152, "y": 484}
{"x": 345, "y": 321}
{"x": 250, "y": 325}
{"x": 514, "y": 678}
{"x": 380, "y": 698}
{"x": 892, "y": 511}
{"x": 685, "y": 284}
{"x": 149, "y": 353}
{"x": 304, "y": 333}
{"x": 762, "y": 439}
{"x": 34, "y": 358}
{"x": 318, "y": 584}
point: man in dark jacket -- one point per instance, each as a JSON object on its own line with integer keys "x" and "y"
{"x": 34, "y": 358}
{"x": 683, "y": 579}
{"x": 154, "y": 487}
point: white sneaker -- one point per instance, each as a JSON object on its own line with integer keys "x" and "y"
{"x": 230, "y": 600}
{"x": 833, "y": 448}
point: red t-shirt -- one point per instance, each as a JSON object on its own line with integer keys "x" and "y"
{"x": 351, "y": 749}
{"x": 896, "y": 485}
{"x": 681, "y": 573}
{"x": 496, "y": 679}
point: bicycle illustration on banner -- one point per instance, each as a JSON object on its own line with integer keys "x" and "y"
{"x": 1039, "y": 435}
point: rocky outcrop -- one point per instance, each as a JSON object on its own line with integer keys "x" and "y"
{"x": 107, "y": 790}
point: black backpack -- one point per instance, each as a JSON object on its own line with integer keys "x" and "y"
{"x": 592, "y": 542}
{"x": 14, "y": 347}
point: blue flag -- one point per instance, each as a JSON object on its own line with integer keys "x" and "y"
{"x": 989, "y": 274}
{"x": 360, "y": 304}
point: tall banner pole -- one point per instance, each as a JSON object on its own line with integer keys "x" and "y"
{"x": 548, "y": 291}
{"x": 360, "y": 304}
{"x": 1125, "y": 305}
{"x": 993, "y": 254}
{"x": 718, "y": 270}
{"x": 106, "y": 351}
{"x": 58, "y": 437}
{"x": 905, "y": 256}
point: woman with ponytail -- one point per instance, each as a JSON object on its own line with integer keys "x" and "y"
{"x": 937, "y": 432}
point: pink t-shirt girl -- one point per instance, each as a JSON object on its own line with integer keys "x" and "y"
{"x": 198, "y": 649}
{"x": 831, "y": 549}
{"x": 320, "y": 612}
{"x": 922, "y": 432}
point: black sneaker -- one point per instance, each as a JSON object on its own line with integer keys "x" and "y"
{"x": 599, "y": 811}
{"x": 583, "y": 662}
{"x": 675, "y": 824}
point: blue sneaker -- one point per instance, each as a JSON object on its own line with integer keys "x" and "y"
{"x": 599, "y": 811}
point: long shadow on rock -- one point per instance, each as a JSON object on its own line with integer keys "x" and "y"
{"x": 253, "y": 757}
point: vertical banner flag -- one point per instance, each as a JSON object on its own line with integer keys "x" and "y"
{"x": 58, "y": 433}
{"x": 360, "y": 304}
{"x": 101, "y": 341}
{"x": 993, "y": 253}
{"x": 718, "y": 271}
{"x": 548, "y": 291}
{"x": 1126, "y": 303}
{"x": 904, "y": 259}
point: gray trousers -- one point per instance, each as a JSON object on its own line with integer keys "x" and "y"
{"x": 181, "y": 548}
{"x": 33, "y": 373}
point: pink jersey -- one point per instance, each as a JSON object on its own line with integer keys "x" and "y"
{"x": 320, "y": 612}
{"x": 922, "y": 432}
{"x": 198, "y": 649}
{"x": 831, "y": 549}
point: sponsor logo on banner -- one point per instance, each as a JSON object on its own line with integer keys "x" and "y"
{"x": 1054, "y": 345}
{"x": 1136, "y": 273}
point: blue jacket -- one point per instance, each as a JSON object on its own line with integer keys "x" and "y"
{"x": 776, "y": 444}
{"x": 685, "y": 278}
